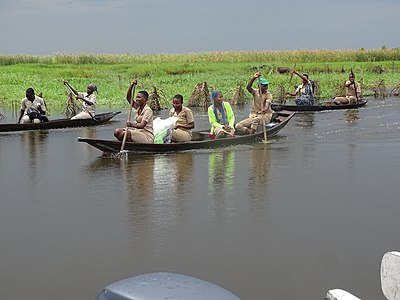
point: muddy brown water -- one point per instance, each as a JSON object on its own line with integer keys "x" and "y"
{"x": 313, "y": 209}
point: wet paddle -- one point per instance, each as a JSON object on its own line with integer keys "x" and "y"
{"x": 121, "y": 152}
{"x": 262, "y": 107}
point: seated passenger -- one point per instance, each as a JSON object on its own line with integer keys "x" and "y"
{"x": 353, "y": 91}
{"x": 221, "y": 117}
{"x": 33, "y": 108}
{"x": 183, "y": 127}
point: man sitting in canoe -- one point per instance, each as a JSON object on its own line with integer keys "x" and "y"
{"x": 261, "y": 112}
{"x": 221, "y": 117}
{"x": 88, "y": 101}
{"x": 33, "y": 109}
{"x": 305, "y": 90}
{"x": 353, "y": 91}
{"x": 142, "y": 131}
{"x": 183, "y": 127}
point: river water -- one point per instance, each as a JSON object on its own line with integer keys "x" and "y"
{"x": 314, "y": 209}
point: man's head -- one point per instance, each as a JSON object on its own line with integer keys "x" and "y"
{"x": 30, "y": 94}
{"x": 141, "y": 97}
{"x": 264, "y": 84}
{"x": 91, "y": 88}
{"x": 306, "y": 76}
{"x": 177, "y": 101}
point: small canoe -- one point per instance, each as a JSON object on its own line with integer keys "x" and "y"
{"x": 60, "y": 123}
{"x": 200, "y": 139}
{"x": 330, "y": 105}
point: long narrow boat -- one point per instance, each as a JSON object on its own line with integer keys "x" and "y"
{"x": 329, "y": 105}
{"x": 60, "y": 123}
{"x": 200, "y": 139}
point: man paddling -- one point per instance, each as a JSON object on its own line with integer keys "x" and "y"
{"x": 88, "y": 101}
{"x": 305, "y": 90}
{"x": 261, "y": 112}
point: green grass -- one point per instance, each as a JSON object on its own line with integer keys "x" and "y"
{"x": 173, "y": 73}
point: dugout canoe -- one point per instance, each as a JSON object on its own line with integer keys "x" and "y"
{"x": 200, "y": 139}
{"x": 60, "y": 123}
{"x": 329, "y": 105}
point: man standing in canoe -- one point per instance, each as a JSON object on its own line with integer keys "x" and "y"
{"x": 183, "y": 127}
{"x": 32, "y": 108}
{"x": 261, "y": 112}
{"x": 305, "y": 90}
{"x": 88, "y": 101}
{"x": 353, "y": 91}
{"x": 142, "y": 131}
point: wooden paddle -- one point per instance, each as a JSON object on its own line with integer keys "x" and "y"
{"x": 354, "y": 83}
{"x": 290, "y": 81}
{"x": 262, "y": 107}
{"x": 129, "y": 118}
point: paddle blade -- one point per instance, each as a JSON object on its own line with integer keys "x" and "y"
{"x": 123, "y": 154}
{"x": 390, "y": 275}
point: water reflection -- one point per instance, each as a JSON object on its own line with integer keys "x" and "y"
{"x": 89, "y": 132}
{"x": 138, "y": 175}
{"x": 259, "y": 174}
{"x": 34, "y": 145}
{"x": 183, "y": 173}
{"x": 352, "y": 115}
{"x": 221, "y": 168}
{"x": 305, "y": 119}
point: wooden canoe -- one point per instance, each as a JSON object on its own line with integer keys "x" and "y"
{"x": 200, "y": 139}
{"x": 330, "y": 105}
{"x": 60, "y": 123}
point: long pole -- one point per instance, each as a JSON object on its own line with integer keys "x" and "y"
{"x": 290, "y": 81}
{"x": 262, "y": 107}
{"x": 129, "y": 118}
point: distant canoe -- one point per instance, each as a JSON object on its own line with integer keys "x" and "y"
{"x": 320, "y": 107}
{"x": 60, "y": 123}
{"x": 200, "y": 139}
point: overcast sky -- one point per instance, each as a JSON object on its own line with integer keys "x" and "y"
{"x": 41, "y": 27}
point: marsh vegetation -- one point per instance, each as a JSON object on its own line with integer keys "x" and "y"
{"x": 168, "y": 74}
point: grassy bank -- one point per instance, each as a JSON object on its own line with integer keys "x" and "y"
{"x": 173, "y": 73}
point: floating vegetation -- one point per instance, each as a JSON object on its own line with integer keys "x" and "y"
{"x": 236, "y": 96}
{"x": 317, "y": 92}
{"x": 280, "y": 94}
{"x": 396, "y": 90}
{"x": 379, "y": 89}
{"x": 154, "y": 99}
{"x": 200, "y": 96}
{"x": 70, "y": 109}
{"x": 339, "y": 88}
